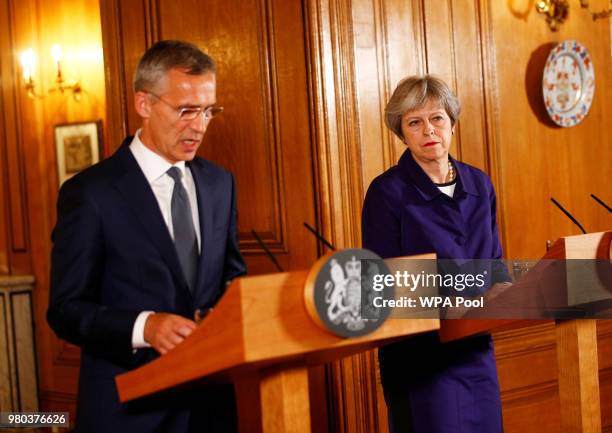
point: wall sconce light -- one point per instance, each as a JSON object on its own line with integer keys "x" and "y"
{"x": 28, "y": 65}
{"x": 556, "y": 11}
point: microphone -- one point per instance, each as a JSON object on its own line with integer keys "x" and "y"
{"x": 319, "y": 236}
{"x": 568, "y": 215}
{"x": 268, "y": 252}
{"x": 600, "y": 201}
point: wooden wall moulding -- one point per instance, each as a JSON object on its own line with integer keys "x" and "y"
{"x": 526, "y": 360}
{"x": 541, "y": 403}
{"x": 371, "y": 63}
{"x": 254, "y": 136}
{"x": 4, "y": 88}
{"x": 128, "y": 29}
{"x": 115, "y": 78}
{"x": 490, "y": 107}
{"x": 335, "y": 129}
{"x": 151, "y": 21}
{"x": 439, "y": 42}
{"x": 358, "y": 404}
{"x": 13, "y": 141}
{"x": 469, "y": 66}
{"x": 516, "y": 342}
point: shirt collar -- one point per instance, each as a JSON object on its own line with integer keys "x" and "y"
{"x": 424, "y": 185}
{"x": 152, "y": 165}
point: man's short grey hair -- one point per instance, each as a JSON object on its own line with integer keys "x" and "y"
{"x": 169, "y": 54}
{"x": 413, "y": 93}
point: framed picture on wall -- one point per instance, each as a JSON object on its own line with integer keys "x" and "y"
{"x": 77, "y": 147}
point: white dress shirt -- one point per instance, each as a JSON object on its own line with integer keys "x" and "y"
{"x": 154, "y": 168}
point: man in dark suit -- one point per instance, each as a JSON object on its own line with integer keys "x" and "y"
{"x": 142, "y": 241}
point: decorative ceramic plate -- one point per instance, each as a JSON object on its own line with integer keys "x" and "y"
{"x": 568, "y": 84}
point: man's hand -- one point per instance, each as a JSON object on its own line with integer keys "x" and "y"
{"x": 165, "y": 331}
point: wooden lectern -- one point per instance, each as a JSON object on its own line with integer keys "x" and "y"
{"x": 576, "y": 339}
{"x": 260, "y": 336}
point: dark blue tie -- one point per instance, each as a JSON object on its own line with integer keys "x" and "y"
{"x": 185, "y": 240}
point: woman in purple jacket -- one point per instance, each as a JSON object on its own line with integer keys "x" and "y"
{"x": 430, "y": 202}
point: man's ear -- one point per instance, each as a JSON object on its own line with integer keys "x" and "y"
{"x": 142, "y": 104}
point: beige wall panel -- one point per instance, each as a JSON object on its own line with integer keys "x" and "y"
{"x": 6, "y": 391}
{"x": 19, "y": 391}
{"x": 26, "y": 355}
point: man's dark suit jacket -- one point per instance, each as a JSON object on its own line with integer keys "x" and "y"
{"x": 113, "y": 257}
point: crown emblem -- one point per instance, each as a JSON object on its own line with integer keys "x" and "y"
{"x": 353, "y": 268}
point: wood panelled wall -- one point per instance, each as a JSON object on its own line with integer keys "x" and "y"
{"x": 493, "y": 53}
{"x": 537, "y": 160}
{"x": 304, "y": 84}
{"x": 28, "y": 174}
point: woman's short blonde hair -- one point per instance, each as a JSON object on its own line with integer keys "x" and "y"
{"x": 413, "y": 93}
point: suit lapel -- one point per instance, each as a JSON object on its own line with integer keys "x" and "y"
{"x": 138, "y": 194}
{"x": 204, "y": 189}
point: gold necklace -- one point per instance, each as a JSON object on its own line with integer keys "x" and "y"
{"x": 451, "y": 172}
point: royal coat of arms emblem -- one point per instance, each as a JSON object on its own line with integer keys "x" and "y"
{"x": 343, "y": 293}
